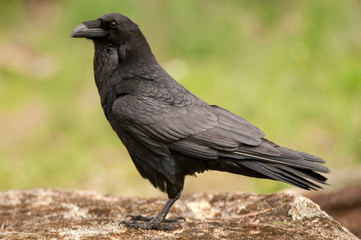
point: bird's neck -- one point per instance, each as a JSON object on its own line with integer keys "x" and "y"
{"x": 113, "y": 63}
{"x": 105, "y": 65}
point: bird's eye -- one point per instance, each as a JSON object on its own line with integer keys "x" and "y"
{"x": 113, "y": 24}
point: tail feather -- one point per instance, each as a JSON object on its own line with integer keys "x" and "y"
{"x": 310, "y": 157}
{"x": 314, "y": 176}
{"x": 289, "y": 174}
{"x": 296, "y": 163}
{"x": 289, "y": 166}
{"x": 282, "y": 176}
{"x": 286, "y": 152}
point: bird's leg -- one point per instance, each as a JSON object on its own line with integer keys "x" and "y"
{"x": 158, "y": 222}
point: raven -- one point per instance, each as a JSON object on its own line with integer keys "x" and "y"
{"x": 169, "y": 132}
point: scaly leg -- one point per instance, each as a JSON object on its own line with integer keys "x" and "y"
{"x": 158, "y": 222}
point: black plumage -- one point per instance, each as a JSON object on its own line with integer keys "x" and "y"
{"x": 171, "y": 133}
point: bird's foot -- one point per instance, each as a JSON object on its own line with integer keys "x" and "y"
{"x": 134, "y": 218}
{"x": 142, "y": 222}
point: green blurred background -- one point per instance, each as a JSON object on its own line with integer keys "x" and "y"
{"x": 292, "y": 68}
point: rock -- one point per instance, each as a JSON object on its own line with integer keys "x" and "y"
{"x": 344, "y": 205}
{"x": 60, "y": 214}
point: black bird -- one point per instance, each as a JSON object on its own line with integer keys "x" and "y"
{"x": 169, "y": 132}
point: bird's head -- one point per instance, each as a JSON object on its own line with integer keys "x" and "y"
{"x": 112, "y": 27}
{"x": 116, "y": 31}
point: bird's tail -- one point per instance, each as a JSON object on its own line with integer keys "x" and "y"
{"x": 295, "y": 168}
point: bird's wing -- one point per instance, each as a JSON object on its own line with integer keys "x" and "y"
{"x": 167, "y": 118}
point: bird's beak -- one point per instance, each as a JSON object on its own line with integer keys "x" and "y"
{"x": 90, "y": 29}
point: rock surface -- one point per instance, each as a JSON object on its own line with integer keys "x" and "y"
{"x": 344, "y": 205}
{"x": 60, "y": 214}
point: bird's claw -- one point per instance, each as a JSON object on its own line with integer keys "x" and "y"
{"x": 141, "y": 222}
{"x": 175, "y": 220}
{"x": 154, "y": 226}
{"x": 139, "y": 218}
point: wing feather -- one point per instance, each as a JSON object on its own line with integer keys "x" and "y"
{"x": 160, "y": 116}
{"x": 167, "y": 118}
